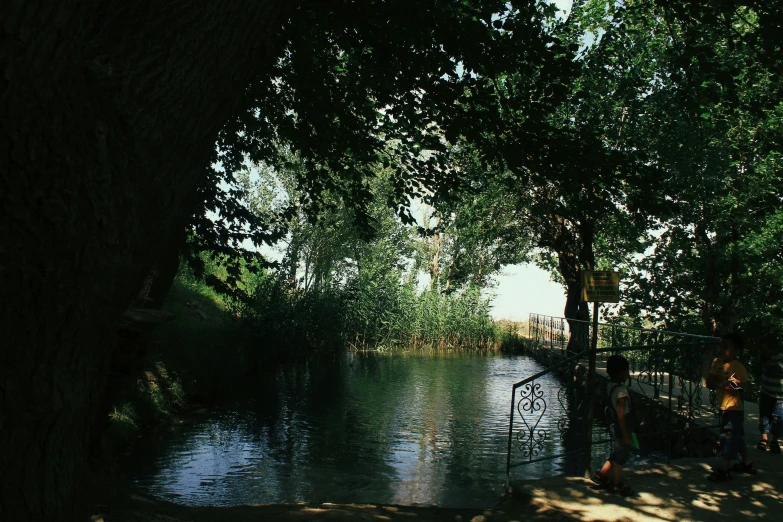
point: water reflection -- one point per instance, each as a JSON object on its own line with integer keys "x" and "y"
{"x": 403, "y": 429}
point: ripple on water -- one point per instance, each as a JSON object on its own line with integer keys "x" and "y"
{"x": 404, "y": 430}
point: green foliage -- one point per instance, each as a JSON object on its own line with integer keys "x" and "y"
{"x": 377, "y": 307}
{"x": 404, "y": 319}
{"x": 559, "y": 185}
{"x": 354, "y": 88}
{"x": 124, "y": 418}
{"x": 713, "y": 124}
{"x": 661, "y": 160}
{"x": 194, "y": 285}
{"x": 642, "y": 136}
{"x": 279, "y": 320}
{"x": 340, "y": 283}
{"x": 158, "y": 393}
{"x": 153, "y": 399}
{"x": 374, "y": 310}
{"x": 478, "y": 229}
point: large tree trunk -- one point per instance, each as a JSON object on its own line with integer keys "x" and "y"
{"x": 109, "y": 113}
{"x": 575, "y": 254}
{"x": 128, "y": 353}
{"x": 158, "y": 282}
{"x": 576, "y": 311}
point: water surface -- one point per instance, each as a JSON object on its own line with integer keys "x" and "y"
{"x": 406, "y": 429}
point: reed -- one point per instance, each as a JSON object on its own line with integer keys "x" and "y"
{"x": 376, "y": 309}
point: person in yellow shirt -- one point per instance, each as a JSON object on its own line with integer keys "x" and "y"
{"x": 729, "y": 378}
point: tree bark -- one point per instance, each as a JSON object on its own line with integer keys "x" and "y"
{"x": 434, "y": 261}
{"x": 158, "y": 283}
{"x": 576, "y": 311}
{"x": 574, "y": 255}
{"x": 449, "y": 277}
{"x": 109, "y": 112}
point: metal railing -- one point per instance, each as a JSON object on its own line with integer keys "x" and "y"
{"x": 666, "y": 369}
{"x": 532, "y": 407}
{"x": 658, "y": 358}
{"x": 557, "y": 332}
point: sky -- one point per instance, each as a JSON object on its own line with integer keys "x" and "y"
{"x": 564, "y": 5}
{"x": 525, "y": 289}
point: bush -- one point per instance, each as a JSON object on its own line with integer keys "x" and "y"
{"x": 377, "y": 307}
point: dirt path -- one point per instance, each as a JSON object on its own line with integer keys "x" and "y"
{"x": 667, "y": 492}
{"x": 676, "y": 491}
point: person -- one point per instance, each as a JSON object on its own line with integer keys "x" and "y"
{"x": 730, "y": 379}
{"x": 619, "y": 397}
{"x": 765, "y": 405}
{"x": 771, "y": 395}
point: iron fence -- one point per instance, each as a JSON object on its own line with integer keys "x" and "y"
{"x": 666, "y": 370}
{"x": 557, "y": 333}
{"x": 539, "y": 422}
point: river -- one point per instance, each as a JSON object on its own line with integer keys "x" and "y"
{"x": 408, "y": 429}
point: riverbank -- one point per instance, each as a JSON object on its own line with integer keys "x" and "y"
{"x": 187, "y": 363}
{"x": 675, "y": 491}
{"x": 206, "y": 356}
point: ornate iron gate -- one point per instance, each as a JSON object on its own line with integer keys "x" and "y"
{"x": 666, "y": 370}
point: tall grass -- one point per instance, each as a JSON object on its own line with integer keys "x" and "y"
{"x": 377, "y": 312}
{"x": 400, "y": 317}
{"x": 375, "y": 308}
{"x": 280, "y": 320}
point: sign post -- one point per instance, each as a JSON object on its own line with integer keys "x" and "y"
{"x": 597, "y": 288}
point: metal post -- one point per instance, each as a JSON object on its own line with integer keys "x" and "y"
{"x": 562, "y": 336}
{"x": 671, "y": 375}
{"x": 655, "y": 355}
{"x": 590, "y": 397}
{"x": 510, "y": 435}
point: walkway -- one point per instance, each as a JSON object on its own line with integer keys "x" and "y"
{"x": 678, "y": 490}
{"x": 667, "y": 492}
{"x": 705, "y": 418}
{"x": 675, "y": 491}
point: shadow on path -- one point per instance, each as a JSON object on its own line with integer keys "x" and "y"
{"x": 667, "y": 492}
{"x": 676, "y": 491}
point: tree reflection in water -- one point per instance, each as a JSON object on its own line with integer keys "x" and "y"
{"x": 404, "y": 429}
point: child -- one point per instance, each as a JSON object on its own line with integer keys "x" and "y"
{"x": 729, "y": 378}
{"x": 617, "y": 367}
{"x": 771, "y": 395}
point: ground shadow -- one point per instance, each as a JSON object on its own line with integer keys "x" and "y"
{"x": 676, "y": 491}
{"x": 667, "y": 492}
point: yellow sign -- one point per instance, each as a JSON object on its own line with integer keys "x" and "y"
{"x": 600, "y": 287}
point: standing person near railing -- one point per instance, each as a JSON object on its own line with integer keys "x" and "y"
{"x": 620, "y": 411}
{"x": 729, "y": 378}
{"x": 771, "y": 395}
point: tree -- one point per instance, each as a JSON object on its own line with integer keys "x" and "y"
{"x": 482, "y": 232}
{"x": 110, "y": 113}
{"x": 573, "y": 186}
{"x": 714, "y": 127}
{"x": 104, "y": 126}
{"x": 366, "y": 111}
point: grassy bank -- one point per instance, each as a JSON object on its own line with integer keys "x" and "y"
{"x": 190, "y": 360}
{"x": 216, "y": 343}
